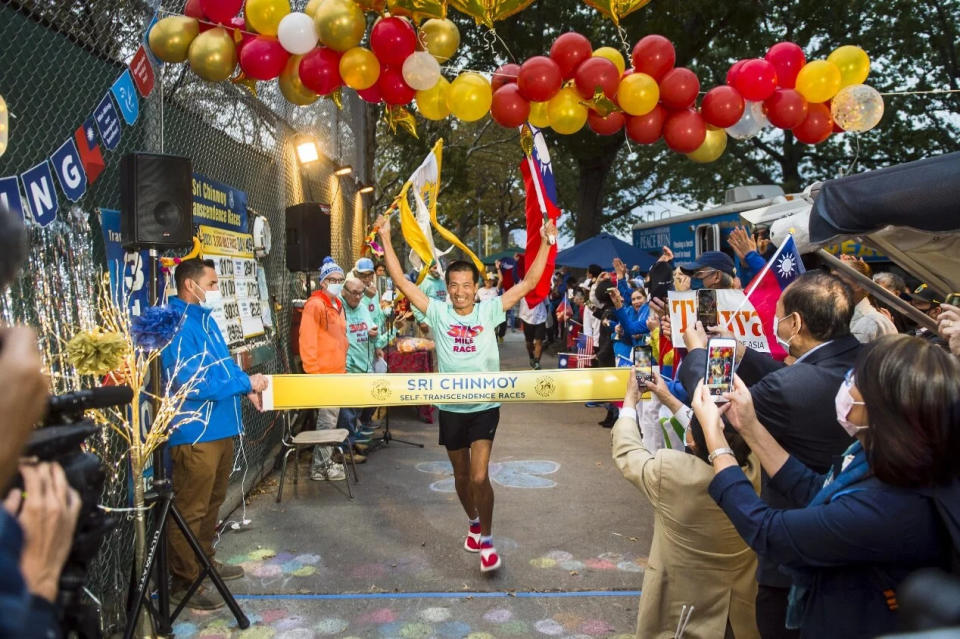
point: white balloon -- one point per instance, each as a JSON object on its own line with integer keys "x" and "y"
{"x": 857, "y": 108}
{"x": 750, "y": 123}
{"x": 297, "y": 33}
{"x": 421, "y": 71}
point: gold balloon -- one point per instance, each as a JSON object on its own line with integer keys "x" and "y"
{"x": 264, "y": 16}
{"x": 213, "y": 55}
{"x": 853, "y": 62}
{"x": 616, "y": 9}
{"x": 170, "y": 38}
{"x": 440, "y": 37}
{"x": 432, "y": 103}
{"x": 712, "y": 147}
{"x": 417, "y": 10}
{"x": 311, "y": 8}
{"x": 818, "y": 81}
{"x": 487, "y": 12}
{"x": 638, "y": 94}
{"x": 377, "y": 6}
{"x": 612, "y": 55}
{"x": 539, "y": 115}
{"x": 340, "y": 24}
{"x": 470, "y": 96}
{"x": 567, "y": 115}
{"x": 359, "y": 68}
{"x": 290, "y": 85}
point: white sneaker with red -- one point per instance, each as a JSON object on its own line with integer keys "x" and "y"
{"x": 472, "y": 542}
{"x": 489, "y": 559}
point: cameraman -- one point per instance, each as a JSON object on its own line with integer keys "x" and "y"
{"x": 37, "y": 523}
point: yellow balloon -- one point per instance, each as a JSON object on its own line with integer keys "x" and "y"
{"x": 377, "y": 6}
{"x": 213, "y": 55}
{"x": 616, "y": 9}
{"x": 712, "y": 147}
{"x": 264, "y": 16}
{"x": 440, "y": 37}
{"x": 612, "y": 55}
{"x": 432, "y": 103}
{"x": 290, "y": 85}
{"x": 359, "y": 68}
{"x": 340, "y": 24}
{"x": 170, "y": 38}
{"x": 539, "y": 115}
{"x": 311, "y": 8}
{"x": 853, "y": 62}
{"x": 469, "y": 96}
{"x": 638, "y": 94}
{"x": 417, "y": 10}
{"x": 487, "y": 12}
{"x": 818, "y": 81}
{"x": 566, "y": 113}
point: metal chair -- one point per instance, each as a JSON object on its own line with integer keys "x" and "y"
{"x": 336, "y": 438}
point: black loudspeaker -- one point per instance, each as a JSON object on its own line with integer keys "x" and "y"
{"x": 308, "y": 236}
{"x": 156, "y": 196}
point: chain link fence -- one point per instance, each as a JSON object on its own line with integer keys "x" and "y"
{"x": 58, "y": 59}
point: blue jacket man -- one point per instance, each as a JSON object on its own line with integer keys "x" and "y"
{"x": 202, "y": 451}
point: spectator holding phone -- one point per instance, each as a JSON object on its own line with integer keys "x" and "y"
{"x": 889, "y": 506}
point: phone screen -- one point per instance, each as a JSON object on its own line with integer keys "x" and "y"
{"x": 707, "y": 307}
{"x": 953, "y": 299}
{"x": 643, "y": 362}
{"x": 718, "y": 377}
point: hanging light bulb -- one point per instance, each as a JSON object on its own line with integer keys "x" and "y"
{"x": 4, "y": 125}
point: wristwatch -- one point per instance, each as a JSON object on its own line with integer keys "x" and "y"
{"x": 718, "y": 452}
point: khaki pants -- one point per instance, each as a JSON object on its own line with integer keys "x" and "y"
{"x": 200, "y": 476}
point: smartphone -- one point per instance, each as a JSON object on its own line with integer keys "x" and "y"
{"x": 643, "y": 362}
{"x": 953, "y": 299}
{"x": 707, "y": 307}
{"x": 718, "y": 376}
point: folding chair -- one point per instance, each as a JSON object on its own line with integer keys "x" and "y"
{"x": 335, "y": 438}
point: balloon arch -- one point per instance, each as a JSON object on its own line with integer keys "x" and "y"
{"x": 317, "y": 53}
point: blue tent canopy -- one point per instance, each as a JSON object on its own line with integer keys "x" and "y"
{"x": 601, "y": 250}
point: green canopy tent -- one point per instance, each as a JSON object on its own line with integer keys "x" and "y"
{"x": 490, "y": 260}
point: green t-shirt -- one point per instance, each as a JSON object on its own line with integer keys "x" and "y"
{"x": 360, "y": 347}
{"x": 434, "y": 288}
{"x": 466, "y": 343}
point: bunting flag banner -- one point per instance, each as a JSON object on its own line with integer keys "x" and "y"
{"x": 89, "y": 149}
{"x": 142, "y": 71}
{"x": 10, "y": 195}
{"x": 126, "y": 95}
{"x": 108, "y": 122}
{"x": 67, "y": 166}
{"x": 41, "y": 193}
{"x": 291, "y": 392}
{"x": 764, "y": 290}
{"x": 541, "y": 204}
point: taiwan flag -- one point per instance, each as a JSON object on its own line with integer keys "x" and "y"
{"x": 89, "y": 149}
{"x": 541, "y": 203}
{"x": 765, "y": 289}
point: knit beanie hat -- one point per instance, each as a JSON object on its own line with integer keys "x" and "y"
{"x": 328, "y": 268}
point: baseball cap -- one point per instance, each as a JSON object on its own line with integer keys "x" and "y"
{"x": 924, "y": 293}
{"x": 364, "y": 265}
{"x": 710, "y": 259}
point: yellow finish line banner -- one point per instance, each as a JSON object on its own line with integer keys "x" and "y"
{"x": 287, "y": 392}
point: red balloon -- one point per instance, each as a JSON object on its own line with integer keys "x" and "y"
{"x": 646, "y": 129}
{"x": 608, "y": 125}
{"x": 816, "y": 127}
{"x": 392, "y": 87}
{"x": 194, "y": 9}
{"x": 786, "y": 108}
{"x": 240, "y": 24}
{"x": 722, "y": 106}
{"x": 508, "y": 108}
{"x": 597, "y": 73}
{"x": 371, "y": 95}
{"x": 263, "y": 58}
{"x": 392, "y": 40}
{"x": 507, "y": 74}
{"x": 756, "y": 80}
{"x": 733, "y": 71}
{"x": 679, "y": 88}
{"x": 539, "y": 79}
{"x": 787, "y": 58}
{"x": 221, "y": 10}
{"x": 684, "y": 131}
{"x": 320, "y": 70}
{"x": 653, "y": 55}
{"x": 568, "y": 51}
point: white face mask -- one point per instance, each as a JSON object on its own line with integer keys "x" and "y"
{"x": 784, "y": 344}
{"x": 334, "y": 289}
{"x": 212, "y": 300}
{"x": 844, "y": 403}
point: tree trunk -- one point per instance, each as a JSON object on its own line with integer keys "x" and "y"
{"x": 593, "y": 175}
{"x": 790, "y": 165}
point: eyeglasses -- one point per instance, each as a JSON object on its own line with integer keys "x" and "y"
{"x": 347, "y": 290}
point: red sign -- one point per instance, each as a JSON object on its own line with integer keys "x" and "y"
{"x": 142, "y": 72}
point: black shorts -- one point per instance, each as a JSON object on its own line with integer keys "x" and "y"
{"x": 459, "y": 430}
{"x": 534, "y": 332}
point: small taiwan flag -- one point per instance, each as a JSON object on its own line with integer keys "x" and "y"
{"x": 89, "y": 149}
{"x": 764, "y": 290}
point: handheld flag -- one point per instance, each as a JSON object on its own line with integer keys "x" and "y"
{"x": 765, "y": 289}
{"x": 541, "y": 204}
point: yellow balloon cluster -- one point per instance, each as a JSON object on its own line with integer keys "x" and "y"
{"x": 170, "y": 38}
{"x": 818, "y": 81}
{"x": 470, "y": 96}
{"x": 340, "y": 24}
{"x": 616, "y": 9}
{"x": 213, "y": 55}
{"x": 853, "y": 62}
{"x": 713, "y": 146}
{"x": 359, "y": 68}
{"x": 418, "y": 9}
{"x": 487, "y": 12}
{"x": 264, "y": 16}
{"x": 440, "y": 37}
{"x": 432, "y": 103}
{"x": 290, "y": 85}
{"x": 567, "y": 115}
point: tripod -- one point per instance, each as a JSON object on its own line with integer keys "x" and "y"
{"x": 162, "y": 497}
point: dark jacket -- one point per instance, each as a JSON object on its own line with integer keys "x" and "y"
{"x": 796, "y": 405}
{"x": 605, "y": 354}
{"x": 22, "y": 615}
{"x": 852, "y": 550}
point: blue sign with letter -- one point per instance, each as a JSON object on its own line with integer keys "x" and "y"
{"x": 126, "y": 95}
{"x": 69, "y": 169}
{"x": 219, "y": 205}
{"x": 108, "y": 122}
{"x": 129, "y": 271}
{"x": 41, "y": 194}
{"x": 10, "y": 195}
